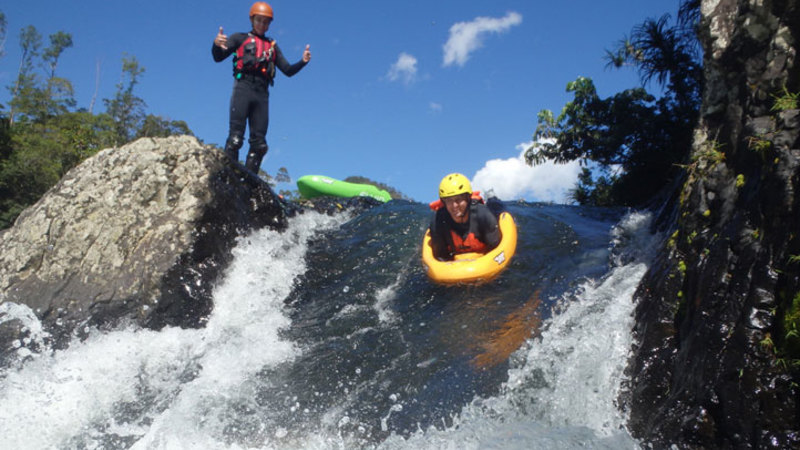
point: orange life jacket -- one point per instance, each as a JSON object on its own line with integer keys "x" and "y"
{"x": 457, "y": 244}
{"x": 470, "y": 244}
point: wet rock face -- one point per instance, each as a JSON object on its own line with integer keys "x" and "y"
{"x": 136, "y": 233}
{"x": 710, "y": 367}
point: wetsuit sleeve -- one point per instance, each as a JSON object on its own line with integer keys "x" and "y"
{"x": 234, "y": 41}
{"x": 282, "y": 64}
{"x": 438, "y": 240}
{"x": 489, "y": 229}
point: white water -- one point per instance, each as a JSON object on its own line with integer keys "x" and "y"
{"x": 561, "y": 390}
{"x": 57, "y": 396}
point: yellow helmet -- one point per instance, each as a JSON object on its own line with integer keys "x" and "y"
{"x": 454, "y": 184}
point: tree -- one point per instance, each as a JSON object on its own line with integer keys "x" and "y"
{"x": 670, "y": 55}
{"x": 22, "y": 93}
{"x": 644, "y": 137}
{"x": 59, "y": 42}
{"x": 126, "y": 109}
{"x": 79, "y": 135}
{"x": 57, "y": 98}
{"x": 27, "y": 173}
{"x": 43, "y": 137}
{"x": 283, "y": 176}
{"x": 157, "y": 126}
{"x": 5, "y": 139}
{"x": 35, "y": 156}
{"x": 588, "y": 191}
{"x": 32, "y": 99}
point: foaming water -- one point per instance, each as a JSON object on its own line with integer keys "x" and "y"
{"x": 562, "y": 388}
{"x": 329, "y": 335}
{"x": 137, "y": 388}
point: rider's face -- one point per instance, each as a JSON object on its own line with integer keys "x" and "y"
{"x": 458, "y": 207}
{"x": 261, "y": 24}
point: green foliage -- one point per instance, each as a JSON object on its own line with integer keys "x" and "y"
{"x": 126, "y": 109}
{"x": 672, "y": 242}
{"x": 791, "y": 320}
{"x": 786, "y": 101}
{"x": 24, "y": 88}
{"x": 5, "y": 138}
{"x": 42, "y": 136}
{"x": 25, "y": 176}
{"x": 789, "y": 350}
{"x": 282, "y": 176}
{"x": 588, "y": 191}
{"x": 641, "y": 138}
{"x": 38, "y": 155}
{"x": 58, "y": 92}
{"x": 630, "y": 131}
{"x": 157, "y": 126}
{"x": 59, "y": 42}
{"x": 759, "y": 144}
{"x": 708, "y": 155}
{"x": 36, "y": 98}
{"x": 767, "y": 344}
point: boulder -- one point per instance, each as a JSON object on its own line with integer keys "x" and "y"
{"x": 133, "y": 234}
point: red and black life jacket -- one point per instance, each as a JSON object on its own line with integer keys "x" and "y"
{"x": 256, "y": 55}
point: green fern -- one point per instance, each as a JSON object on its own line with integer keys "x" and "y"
{"x": 786, "y": 101}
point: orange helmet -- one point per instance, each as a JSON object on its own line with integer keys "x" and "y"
{"x": 261, "y": 9}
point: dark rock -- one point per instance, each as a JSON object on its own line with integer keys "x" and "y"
{"x": 706, "y": 370}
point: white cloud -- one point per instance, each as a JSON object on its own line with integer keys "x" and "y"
{"x": 466, "y": 37}
{"x": 404, "y": 69}
{"x": 512, "y": 179}
{"x": 435, "y": 107}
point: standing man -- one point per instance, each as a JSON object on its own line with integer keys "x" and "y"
{"x": 255, "y": 59}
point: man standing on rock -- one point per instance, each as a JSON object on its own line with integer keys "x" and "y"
{"x": 255, "y": 59}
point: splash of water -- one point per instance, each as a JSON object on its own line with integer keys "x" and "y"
{"x": 205, "y": 388}
{"x": 144, "y": 389}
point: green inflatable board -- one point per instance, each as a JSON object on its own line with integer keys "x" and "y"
{"x": 311, "y": 186}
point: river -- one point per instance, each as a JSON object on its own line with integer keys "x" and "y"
{"x": 329, "y": 335}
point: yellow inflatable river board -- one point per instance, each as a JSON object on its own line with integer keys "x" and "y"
{"x": 470, "y": 268}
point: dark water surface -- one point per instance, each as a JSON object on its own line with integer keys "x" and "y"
{"x": 330, "y": 335}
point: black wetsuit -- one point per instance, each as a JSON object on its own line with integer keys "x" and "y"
{"x": 482, "y": 226}
{"x": 250, "y": 102}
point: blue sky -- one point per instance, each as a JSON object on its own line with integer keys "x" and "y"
{"x": 400, "y": 92}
